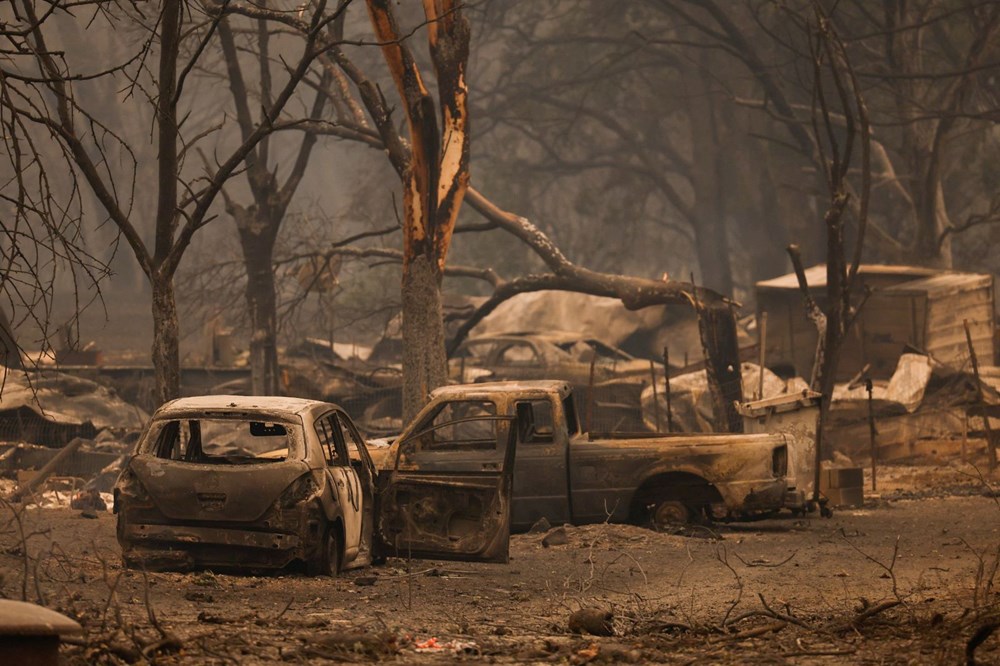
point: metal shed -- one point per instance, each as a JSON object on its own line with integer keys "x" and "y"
{"x": 928, "y": 314}
{"x": 909, "y": 305}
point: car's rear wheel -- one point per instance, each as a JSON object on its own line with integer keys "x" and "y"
{"x": 326, "y": 561}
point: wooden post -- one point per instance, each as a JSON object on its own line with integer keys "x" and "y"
{"x": 762, "y": 341}
{"x": 991, "y": 449}
{"x": 590, "y": 393}
{"x": 871, "y": 432}
{"x": 965, "y": 436}
{"x": 666, "y": 381}
{"x": 656, "y": 395}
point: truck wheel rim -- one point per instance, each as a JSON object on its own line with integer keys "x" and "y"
{"x": 670, "y": 513}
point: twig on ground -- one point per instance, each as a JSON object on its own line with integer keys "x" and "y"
{"x": 769, "y": 565}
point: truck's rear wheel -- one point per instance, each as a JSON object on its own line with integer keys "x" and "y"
{"x": 670, "y": 514}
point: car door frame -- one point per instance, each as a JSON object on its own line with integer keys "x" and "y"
{"x": 367, "y": 489}
{"x": 403, "y": 531}
{"x": 347, "y": 487}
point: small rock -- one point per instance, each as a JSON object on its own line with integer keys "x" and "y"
{"x": 594, "y": 621}
{"x": 208, "y": 618}
{"x": 197, "y": 595}
{"x": 365, "y": 581}
{"x": 556, "y": 537}
{"x": 89, "y": 501}
{"x": 541, "y": 525}
{"x": 88, "y": 514}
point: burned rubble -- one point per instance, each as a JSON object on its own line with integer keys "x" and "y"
{"x": 510, "y": 332}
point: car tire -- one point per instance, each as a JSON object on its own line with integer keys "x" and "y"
{"x": 326, "y": 561}
{"x": 667, "y": 515}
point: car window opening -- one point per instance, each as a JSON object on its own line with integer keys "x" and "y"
{"x": 222, "y": 441}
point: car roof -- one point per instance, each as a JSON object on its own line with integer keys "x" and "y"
{"x": 538, "y": 385}
{"x": 271, "y": 404}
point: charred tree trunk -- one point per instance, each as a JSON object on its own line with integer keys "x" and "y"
{"x": 257, "y": 238}
{"x": 424, "y": 361}
{"x": 166, "y": 339}
{"x": 712, "y": 245}
{"x": 717, "y": 328}
{"x": 709, "y": 207}
{"x": 435, "y": 178}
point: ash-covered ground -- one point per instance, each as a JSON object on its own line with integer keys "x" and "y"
{"x": 906, "y": 579}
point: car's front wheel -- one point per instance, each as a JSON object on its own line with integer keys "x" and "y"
{"x": 326, "y": 561}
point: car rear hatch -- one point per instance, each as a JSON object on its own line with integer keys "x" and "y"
{"x": 184, "y": 491}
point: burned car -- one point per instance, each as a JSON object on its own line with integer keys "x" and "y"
{"x": 545, "y": 355}
{"x": 266, "y": 482}
{"x": 260, "y": 482}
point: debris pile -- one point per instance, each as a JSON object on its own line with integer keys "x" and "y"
{"x": 690, "y": 403}
{"x": 63, "y": 439}
{"x": 51, "y": 408}
{"x": 926, "y": 407}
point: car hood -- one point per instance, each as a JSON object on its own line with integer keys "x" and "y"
{"x": 188, "y": 491}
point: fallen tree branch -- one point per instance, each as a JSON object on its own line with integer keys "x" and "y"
{"x": 872, "y": 611}
{"x": 773, "y": 627}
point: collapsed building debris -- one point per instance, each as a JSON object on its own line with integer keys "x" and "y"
{"x": 924, "y": 408}
{"x": 51, "y": 408}
{"x": 690, "y": 403}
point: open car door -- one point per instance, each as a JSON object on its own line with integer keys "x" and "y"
{"x": 448, "y": 493}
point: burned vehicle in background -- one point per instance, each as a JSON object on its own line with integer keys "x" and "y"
{"x": 549, "y": 355}
{"x": 611, "y": 379}
{"x": 266, "y": 482}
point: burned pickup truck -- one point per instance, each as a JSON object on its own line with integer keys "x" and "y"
{"x": 564, "y": 475}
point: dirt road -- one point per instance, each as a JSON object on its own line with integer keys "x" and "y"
{"x": 907, "y": 579}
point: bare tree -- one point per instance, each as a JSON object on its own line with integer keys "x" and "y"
{"x": 443, "y": 160}
{"x": 585, "y": 106}
{"x": 42, "y": 245}
{"x": 925, "y": 67}
{"x": 836, "y": 86}
{"x": 177, "y": 36}
{"x": 258, "y": 224}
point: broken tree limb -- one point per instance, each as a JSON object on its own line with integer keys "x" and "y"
{"x": 872, "y": 611}
{"x": 977, "y": 639}
{"x": 762, "y": 630}
{"x": 717, "y": 324}
{"x": 813, "y": 311}
{"x": 46, "y": 471}
{"x": 717, "y": 329}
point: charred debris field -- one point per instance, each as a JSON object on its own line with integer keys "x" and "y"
{"x": 908, "y": 578}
